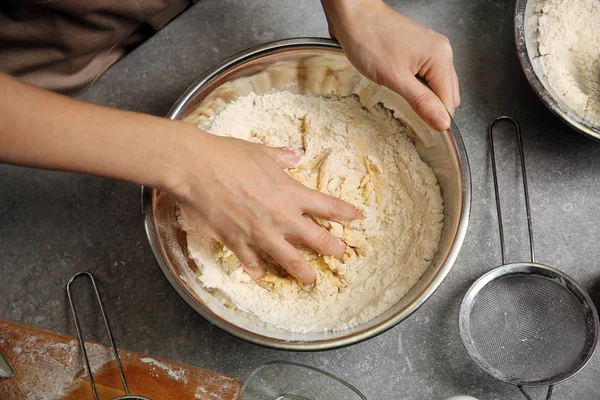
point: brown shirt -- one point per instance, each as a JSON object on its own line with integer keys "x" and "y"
{"x": 64, "y": 45}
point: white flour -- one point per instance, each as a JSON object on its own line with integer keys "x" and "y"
{"x": 177, "y": 374}
{"x": 569, "y": 43}
{"x": 363, "y": 157}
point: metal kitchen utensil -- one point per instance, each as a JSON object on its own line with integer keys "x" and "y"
{"x": 527, "y": 324}
{"x": 5, "y": 369}
{"x": 311, "y": 66}
{"x": 110, "y": 337}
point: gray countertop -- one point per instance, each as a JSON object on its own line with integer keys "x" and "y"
{"x": 55, "y": 224}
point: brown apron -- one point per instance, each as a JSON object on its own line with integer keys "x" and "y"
{"x": 64, "y": 45}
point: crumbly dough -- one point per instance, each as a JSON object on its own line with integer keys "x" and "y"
{"x": 361, "y": 156}
{"x": 569, "y": 44}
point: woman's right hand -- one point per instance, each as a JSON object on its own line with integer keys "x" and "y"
{"x": 239, "y": 193}
{"x": 235, "y": 191}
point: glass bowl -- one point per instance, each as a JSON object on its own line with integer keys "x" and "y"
{"x": 290, "y": 381}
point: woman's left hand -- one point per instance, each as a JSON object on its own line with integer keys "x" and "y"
{"x": 392, "y": 50}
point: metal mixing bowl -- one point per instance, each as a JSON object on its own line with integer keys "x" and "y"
{"x": 312, "y": 66}
{"x": 526, "y": 39}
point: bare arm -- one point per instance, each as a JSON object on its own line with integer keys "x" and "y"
{"x": 45, "y": 130}
{"x": 220, "y": 182}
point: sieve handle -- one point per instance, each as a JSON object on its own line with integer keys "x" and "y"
{"x": 108, "y": 330}
{"x": 525, "y": 185}
{"x": 528, "y": 397}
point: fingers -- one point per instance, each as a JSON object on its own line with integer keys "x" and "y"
{"x": 425, "y": 103}
{"x": 286, "y": 157}
{"x": 319, "y": 239}
{"x": 251, "y": 261}
{"x": 328, "y": 207}
{"x": 291, "y": 260}
{"x": 441, "y": 79}
{"x": 456, "y": 88}
{"x": 443, "y": 85}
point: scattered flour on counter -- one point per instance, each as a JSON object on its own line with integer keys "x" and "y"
{"x": 177, "y": 374}
{"x": 49, "y": 370}
{"x": 363, "y": 156}
{"x": 46, "y": 368}
{"x": 569, "y": 43}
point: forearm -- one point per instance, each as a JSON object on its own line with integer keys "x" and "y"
{"x": 45, "y": 130}
{"x": 340, "y": 12}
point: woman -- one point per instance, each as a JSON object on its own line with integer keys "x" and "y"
{"x": 220, "y": 182}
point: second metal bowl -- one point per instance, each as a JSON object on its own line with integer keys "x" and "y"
{"x": 526, "y": 41}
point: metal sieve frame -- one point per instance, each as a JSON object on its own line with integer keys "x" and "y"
{"x": 543, "y": 271}
{"x": 530, "y": 269}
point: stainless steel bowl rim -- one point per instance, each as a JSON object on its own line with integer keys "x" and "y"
{"x": 579, "y": 124}
{"x": 465, "y": 176}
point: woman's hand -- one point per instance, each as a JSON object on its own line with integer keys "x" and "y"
{"x": 391, "y": 49}
{"x": 240, "y": 195}
{"x": 235, "y": 191}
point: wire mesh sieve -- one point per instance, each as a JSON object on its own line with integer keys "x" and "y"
{"x": 527, "y": 324}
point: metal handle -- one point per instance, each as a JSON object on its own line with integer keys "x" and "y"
{"x": 80, "y": 335}
{"x": 528, "y": 397}
{"x": 525, "y": 185}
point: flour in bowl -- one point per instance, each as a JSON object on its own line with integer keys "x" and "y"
{"x": 569, "y": 44}
{"x": 361, "y": 156}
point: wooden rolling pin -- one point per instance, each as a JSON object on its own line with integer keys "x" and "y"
{"x": 49, "y": 366}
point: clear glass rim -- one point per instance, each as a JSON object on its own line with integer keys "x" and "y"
{"x": 298, "y": 365}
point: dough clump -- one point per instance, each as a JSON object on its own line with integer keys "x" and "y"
{"x": 363, "y": 156}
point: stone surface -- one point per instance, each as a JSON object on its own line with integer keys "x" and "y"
{"x": 55, "y": 224}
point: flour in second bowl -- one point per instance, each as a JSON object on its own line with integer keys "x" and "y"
{"x": 569, "y": 44}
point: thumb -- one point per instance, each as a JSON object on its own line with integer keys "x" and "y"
{"x": 286, "y": 157}
{"x": 425, "y": 103}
